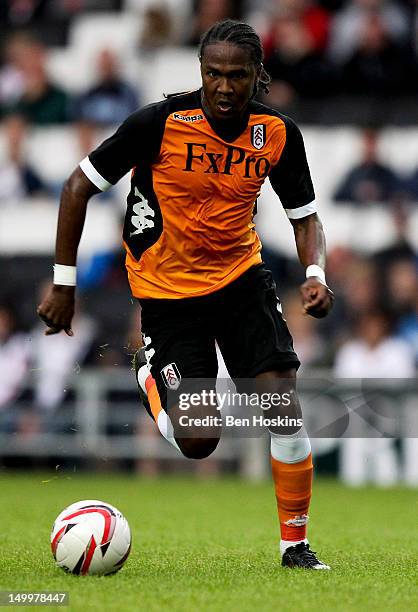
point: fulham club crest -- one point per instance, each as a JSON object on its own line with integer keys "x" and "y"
{"x": 258, "y": 135}
{"x": 171, "y": 376}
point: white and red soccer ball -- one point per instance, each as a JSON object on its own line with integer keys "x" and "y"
{"x": 90, "y": 537}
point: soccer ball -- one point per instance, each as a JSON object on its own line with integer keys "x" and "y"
{"x": 90, "y": 537}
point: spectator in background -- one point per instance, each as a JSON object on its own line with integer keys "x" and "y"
{"x": 11, "y": 74}
{"x": 373, "y": 353}
{"x": 407, "y": 328}
{"x": 56, "y": 358}
{"x": 341, "y": 263}
{"x": 401, "y": 248}
{"x": 297, "y": 67}
{"x": 207, "y": 12}
{"x": 397, "y": 269}
{"x": 306, "y": 339}
{"x": 379, "y": 66}
{"x": 358, "y": 294}
{"x": 315, "y": 20}
{"x": 52, "y": 364}
{"x": 157, "y": 31}
{"x": 17, "y": 178}
{"x": 411, "y": 183}
{"x": 402, "y": 286}
{"x": 347, "y": 24}
{"x": 48, "y": 18}
{"x": 402, "y": 298}
{"x": 14, "y": 359}
{"x": 107, "y": 103}
{"x": 370, "y": 180}
{"x": 361, "y": 287}
{"x": 33, "y": 14}
{"x": 41, "y": 102}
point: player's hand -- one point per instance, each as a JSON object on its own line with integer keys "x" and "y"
{"x": 57, "y": 309}
{"x": 317, "y": 298}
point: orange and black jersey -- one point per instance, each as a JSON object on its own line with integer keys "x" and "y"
{"x": 189, "y": 226}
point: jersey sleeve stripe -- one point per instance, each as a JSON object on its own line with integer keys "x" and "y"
{"x": 92, "y": 174}
{"x": 302, "y": 211}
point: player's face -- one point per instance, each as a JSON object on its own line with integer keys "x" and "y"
{"x": 228, "y": 77}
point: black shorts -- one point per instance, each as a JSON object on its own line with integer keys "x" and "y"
{"x": 244, "y": 318}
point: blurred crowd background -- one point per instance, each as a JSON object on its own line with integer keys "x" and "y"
{"x": 72, "y": 70}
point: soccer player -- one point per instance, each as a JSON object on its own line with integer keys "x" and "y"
{"x": 198, "y": 162}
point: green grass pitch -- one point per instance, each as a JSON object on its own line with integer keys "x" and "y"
{"x": 203, "y": 545}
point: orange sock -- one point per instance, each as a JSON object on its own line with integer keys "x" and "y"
{"x": 153, "y": 397}
{"x": 293, "y": 485}
{"x": 160, "y": 417}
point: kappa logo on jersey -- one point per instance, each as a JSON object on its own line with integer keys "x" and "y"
{"x": 258, "y": 135}
{"x": 171, "y": 376}
{"x": 187, "y": 118}
{"x": 143, "y": 211}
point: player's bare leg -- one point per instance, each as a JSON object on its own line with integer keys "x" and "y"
{"x": 291, "y": 457}
{"x": 292, "y": 470}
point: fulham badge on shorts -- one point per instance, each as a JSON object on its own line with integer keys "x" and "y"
{"x": 171, "y": 376}
{"x": 258, "y": 135}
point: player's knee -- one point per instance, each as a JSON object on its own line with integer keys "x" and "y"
{"x": 197, "y": 431}
{"x": 197, "y": 448}
{"x": 285, "y": 418}
{"x": 284, "y": 412}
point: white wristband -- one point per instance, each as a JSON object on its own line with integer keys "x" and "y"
{"x": 314, "y": 270}
{"x": 65, "y": 275}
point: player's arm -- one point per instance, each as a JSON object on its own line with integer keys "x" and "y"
{"x": 317, "y": 298}
{"x": 57, "y": 308}
{"x": 132, "y": 143}
{"x": 292, "y": 182}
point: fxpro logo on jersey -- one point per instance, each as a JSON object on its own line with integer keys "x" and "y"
{"x": 211, "y": 162}
{"x": 258, "y": 135}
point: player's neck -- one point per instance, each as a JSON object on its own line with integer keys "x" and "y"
{"x": 229, "y": 129}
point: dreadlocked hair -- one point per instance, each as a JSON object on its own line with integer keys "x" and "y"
{"x": 242, "y": 35}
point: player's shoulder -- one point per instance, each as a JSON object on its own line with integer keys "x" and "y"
{"x": 257, "y": 108}
{"x": 163, "y": 108}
